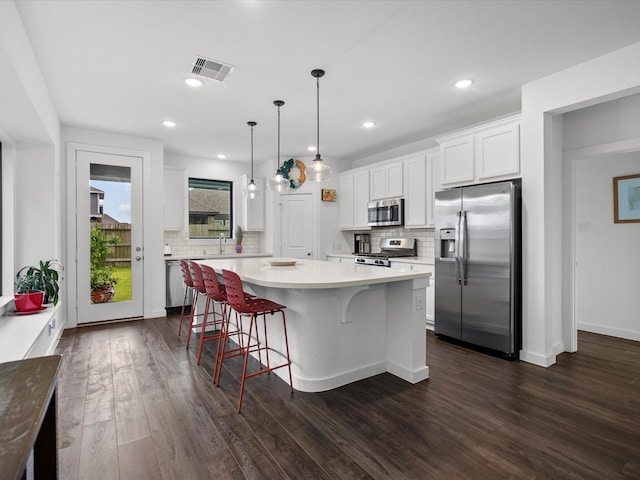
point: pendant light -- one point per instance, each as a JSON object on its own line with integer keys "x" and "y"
{"x": 319, "y": 172}
{"x": 252, "y": 191}
{"x": 278, "y": 183}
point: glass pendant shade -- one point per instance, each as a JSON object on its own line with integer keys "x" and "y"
{"x": 319, "y": 171}
{"x": 252, "y": 191}
{"x": 278, "y": 183}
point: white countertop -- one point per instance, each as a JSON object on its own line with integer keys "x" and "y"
{"x": 311, "y": 274}
{"x": 211, "y": 256}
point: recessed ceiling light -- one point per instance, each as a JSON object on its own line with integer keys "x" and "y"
{"x": 368, "y": 124}
{"x": 464, "y": 83}
{"x": 169, "y": 123}
{"x": 311, "y": 148}
{"x": 222, "y": 156}
{"x": 193, "y": 82}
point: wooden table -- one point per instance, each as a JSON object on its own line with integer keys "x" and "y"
{"x": 28, "y": 417}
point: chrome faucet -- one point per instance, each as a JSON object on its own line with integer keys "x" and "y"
{"x": 221, "y": 237}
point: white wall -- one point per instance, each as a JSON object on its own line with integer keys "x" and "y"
{"x": 30, "y": 136}
{"x": 605, "y": 78}
{"x": 607, "y": 254}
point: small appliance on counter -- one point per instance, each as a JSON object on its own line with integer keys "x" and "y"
{"x": 389, "y": 248}
{"x": 361, "y": 243}
{"x": 167, "y": 250}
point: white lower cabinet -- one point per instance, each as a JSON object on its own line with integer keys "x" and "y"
{"x": 429, "y": 297}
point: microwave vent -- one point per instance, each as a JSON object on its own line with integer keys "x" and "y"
{"x": 212, "y": 69}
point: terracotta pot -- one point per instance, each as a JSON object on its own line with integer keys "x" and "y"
{"x": 27, "y": 302}
{"x": 103, "y": 294}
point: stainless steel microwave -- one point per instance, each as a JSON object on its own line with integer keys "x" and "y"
{"x": 383, "y": 213}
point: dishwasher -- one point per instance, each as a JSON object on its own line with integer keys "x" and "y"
{"x": 176, "y": 286}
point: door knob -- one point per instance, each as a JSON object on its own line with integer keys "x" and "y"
{"x": 309, "y": 254}
{"x": 138, "y": 258}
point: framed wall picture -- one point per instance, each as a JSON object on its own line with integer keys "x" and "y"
{"x": 328, "y": 195}
{"x": 626, "y": 199}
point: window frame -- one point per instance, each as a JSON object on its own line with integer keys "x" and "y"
{"x": 226, "y": 183}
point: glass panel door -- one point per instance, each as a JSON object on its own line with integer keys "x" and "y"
{"x": 110, "y": 257}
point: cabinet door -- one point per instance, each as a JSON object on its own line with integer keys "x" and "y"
{"x": 346, "y": 201}
{"x": 174, "y": 199}
{"x": 249, "y": 214}
{"x": 498, "y": 152}
{"x": 361, "y": 199}
{"x": 457, "y": 161}
{"x": 378, "y": 182}
{"x": 415, "y": 200}
{"x": 394, "y": 180}
{"x": 431, "y": 164}
{"x": 386, "y": 181}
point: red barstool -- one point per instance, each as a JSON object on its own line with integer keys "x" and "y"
{"x": 188, "y": 288}
{"x": 198, "y": 289}
{"x": 215, "y": 296}
{"x": 252, "y": 308}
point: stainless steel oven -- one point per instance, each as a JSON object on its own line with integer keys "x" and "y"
{"x": 386, "y": 212}
{"x": 389, "y": 248}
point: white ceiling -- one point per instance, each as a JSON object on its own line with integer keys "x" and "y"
{"x": 120, "y": 66}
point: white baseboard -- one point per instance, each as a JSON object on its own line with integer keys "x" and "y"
{"x": 612, "y": 332}
{"x": 538, "y": 359}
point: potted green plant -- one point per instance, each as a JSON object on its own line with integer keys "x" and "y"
{"x": 102, "y": 278}
{"x": 38, "y": 285}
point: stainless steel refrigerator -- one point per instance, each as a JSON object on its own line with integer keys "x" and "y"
{"x": 478, "y": 266}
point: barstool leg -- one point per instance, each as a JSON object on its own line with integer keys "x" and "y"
{"x": 286, "y": 346}
{"x": 246, "y": 361}
{"x": 193, "y": 309}
{"x": 203, "y": 328}
{"x": 184, "y": 302}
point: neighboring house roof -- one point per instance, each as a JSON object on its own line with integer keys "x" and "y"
{"x": 212, "y": 202}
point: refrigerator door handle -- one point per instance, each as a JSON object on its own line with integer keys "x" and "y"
{"x": 457, "y": 248}
{"x": 463, "y": 247}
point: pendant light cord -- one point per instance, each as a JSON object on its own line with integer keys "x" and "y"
{"x": 278, "y": 160}
{"x": 251, "y": 152}
{"x": 318, "y": 114}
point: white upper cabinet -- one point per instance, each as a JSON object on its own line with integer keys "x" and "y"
{"x": 353, "y": 198}
{"x": 485, "y": 153}
{"x": 385, "y": 181}
{"x": 174, "y": 199}
{"x": 249, "y": 214}
{"x": 418, "y": 189}
{"x": 498, "y": 151}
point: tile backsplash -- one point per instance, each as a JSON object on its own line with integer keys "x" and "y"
{"x": 182, "y": 246}
{"x": 424, "y": 236}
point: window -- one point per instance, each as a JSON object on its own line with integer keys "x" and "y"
{"x": 210, "y": 208}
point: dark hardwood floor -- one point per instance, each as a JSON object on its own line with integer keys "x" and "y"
{"x": 133, "y": 404}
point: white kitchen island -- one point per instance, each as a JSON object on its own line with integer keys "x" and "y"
{"x": 345, "y": 322}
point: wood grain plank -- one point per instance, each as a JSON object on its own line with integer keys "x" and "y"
{"x": 137, "y": 460}
{"x": 99, "y": 452}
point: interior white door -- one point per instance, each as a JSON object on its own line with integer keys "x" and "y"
{"x": 109, "y": 206}
{"x": 297, "y": 225}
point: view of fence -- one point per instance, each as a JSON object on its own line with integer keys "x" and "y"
{"x": 120, "y": 254}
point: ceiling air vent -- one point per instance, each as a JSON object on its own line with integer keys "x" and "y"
{"x": 211, "y": 69}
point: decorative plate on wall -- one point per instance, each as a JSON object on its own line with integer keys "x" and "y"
{"x": 294, "y": 171}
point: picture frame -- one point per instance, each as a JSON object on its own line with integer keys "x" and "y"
{"x": 328, "y": 195}
{"x": 626, "y": 199}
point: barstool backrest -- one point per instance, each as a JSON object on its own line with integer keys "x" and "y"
{"x": 196, "y": 276}
{"x": 212, "y": 285}
{"x": 186, "y": 274}
{"x": 235, "y": 293}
